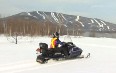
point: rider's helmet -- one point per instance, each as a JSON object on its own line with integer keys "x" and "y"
{"x": 56, "y": 35}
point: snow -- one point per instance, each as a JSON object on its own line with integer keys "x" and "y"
{"x": 54, "y": 17}
{"x": 47, "y": 17}
{"x": 100, "y": 25}
{"x": 77, "y": 19}
{"x": 92, "y": 21}
{"x": 31, "y": 15}
{"x": 103, "y": 22}
{"x": 20, "y": 58}
{"x": 63, "y": 16}
{"x": 81, "y": 23}
{"x": 70, "y": 21}
{"x": 65, "y": 25}
{"x": 108, "y": 27}
{"x": 41, "y": 15}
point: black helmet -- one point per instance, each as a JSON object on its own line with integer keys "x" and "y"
{"x": 56, "y": 35}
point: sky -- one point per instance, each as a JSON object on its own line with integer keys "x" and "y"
{"x": 101, "y": 9}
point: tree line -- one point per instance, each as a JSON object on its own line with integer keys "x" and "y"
{"x": 31, "y": 27}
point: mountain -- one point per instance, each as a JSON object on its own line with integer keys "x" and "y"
{"x": 68, "y": 22}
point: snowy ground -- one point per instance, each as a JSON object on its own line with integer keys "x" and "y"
{"x": 20, "y": 58}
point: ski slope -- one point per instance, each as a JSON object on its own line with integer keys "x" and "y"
{"x": 20, "y": 58}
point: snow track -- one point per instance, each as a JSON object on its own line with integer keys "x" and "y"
{"x": 17, "y": 66}
{"x": 28, "y": 65}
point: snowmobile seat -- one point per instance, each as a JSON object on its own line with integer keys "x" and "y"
{"x": 44, "y": 48}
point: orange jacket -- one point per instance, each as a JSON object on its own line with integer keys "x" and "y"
{"x": 53, "y": 43}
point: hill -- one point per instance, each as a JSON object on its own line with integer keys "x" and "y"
{"x": 45, "y": 23}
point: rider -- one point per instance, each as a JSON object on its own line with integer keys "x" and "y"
{"x": 55, "y": 42}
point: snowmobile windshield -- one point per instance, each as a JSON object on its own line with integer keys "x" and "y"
{"x": 67, "y": 38}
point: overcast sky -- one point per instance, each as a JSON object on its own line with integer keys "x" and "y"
{"x": 101, "y": 9}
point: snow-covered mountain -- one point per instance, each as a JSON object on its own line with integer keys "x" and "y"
{"x": 69, "y": 21}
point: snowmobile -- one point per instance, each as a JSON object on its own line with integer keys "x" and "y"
{"x": 67, "y": 51}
